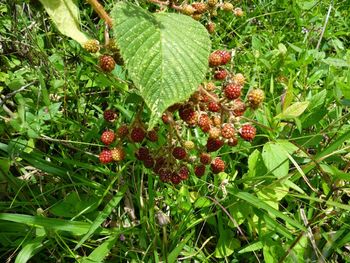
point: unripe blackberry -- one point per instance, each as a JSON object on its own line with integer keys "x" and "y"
{"x": 204, "y": 122}
{"x": 179, "y": 153}
{"x": 214, "y": 132}
{"x": 214, "y": 144}
{"x": 188, "y": 114}
{"x": 118, "y": 154}
{"x": 212, "y": 3}
{"x": 211, "y": 27}
{"x": 200, "y": 8}
{"x": 256, "y": 97}
{"x": 199, "y": 170}
{"x": 197, "y": 17}
{"x": 217, "y": 165}
{"x": 239, "y": 79}
{"x": 123, "y": 131}
{"x": 247, "y": 132}
{"x": 137, "y": 134}
{"x": 214, "y": 107}
{"x": 92, "y": 46}
{"x": 107, "y": 63}
{"x": 238, "y": 12}
{"x": 228, "y": 131}
{"x": 152, "y": 136}
{"x": 220, "y": 74}
{"x": 184, "y": 173}
{"x": 205, "y": 158}
{"x": 106, "y": 156}
{"x": 210, "y": 86}
{"x": 189, "y": 145}
{"x": 225, "y": 56}
{"x": 187, "y": 10}
{"x": 232, "y": 141}
{"x": 110, "y": 115}
{"x": 142, "y": 153}
{"x": 238, "y": 107}
{"x": 216, "y": 121}
{"x": 215, "y": 59}
{"x": 228, "y": 7}
{"x": 232, "y": 91}
{"x": 108, "y": 137}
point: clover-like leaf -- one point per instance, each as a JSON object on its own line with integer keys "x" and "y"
{"x": 166, "y": 54}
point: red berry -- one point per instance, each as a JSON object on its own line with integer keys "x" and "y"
{"x": 232, "y": 142}
{"x": 142, "y": 153}
{"x": 204, "y": 122}
{"x": 106, "y": 156}
{"x": 118, "y": 154}
{"x": 160, "y": 162}
{"x": 107, "y": 137}
{"x": 179, "y": 153}
{"x": 217, "y": 165}
{"x": 215, "y": 59}
{"x": 239, "y": 107}
{"x": 165, "y": 175}
{"x": 123, "y": 131}
{"x": 232, "y": 91}
{"x": 188, "y": 114}
{"x": 137, "y": 134}
{"x": 148, "y": 162}
{"x": 152, "y": 136}
{"x": 165, "y": 118}
{"x": 214, "y": 144}
{"x": 175, "y": 178}
{"x": 228, "y": 131}
{"x": 247, "y": 132}
{"x": 225, "y": 56}
{"x": 107, "y": 63}
{"x": 220, "y": 74}
{"x": 199, "y": 170}
{"x": 184, "y": 173}
{"x": 109, "y": 115}
{"x": 211, "y": 27}
{"x": 205, "y": 158}
{"x": 214, "y": 107}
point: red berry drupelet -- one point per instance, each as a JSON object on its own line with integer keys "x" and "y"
{"x": 217, "y": 165}
{"x": 107, "y": 63}
{"x": 106, "y": 156}
{"x": 247, "y": 132}
{"x": 108, "y": 137}
{"x": 232, "y": 91}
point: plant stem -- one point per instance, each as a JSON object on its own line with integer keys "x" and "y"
{"x": 101, "y": 12}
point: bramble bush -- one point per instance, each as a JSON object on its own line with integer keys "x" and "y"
{"x": 167, "y": 131}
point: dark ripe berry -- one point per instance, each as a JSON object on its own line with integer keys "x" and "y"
{"x": 188, "y": 114}
{"x": 214, "y": 144}
{"x": 199, "y": 170}
{"x": 228, "y": 7}
{"x": 159, "y": 164}
{"x": 214, "y": 132}
{"x": 232, "y": 142}
{"x": 166, "y": 118}
{"x": 152, "y": 136}
{"x": 239, "y": 79}
{"x": 228, "y": 131}
{"x": 211, "y": 27}
{"x": 215, "y": 59}
{"x": 142, "y": 153}
{"x": 189, "y": 145}
{"x": 217, "y": 165}
{"x": 137, "y": 134}
{"x": 123, "y": 131}
{"x": 205, "y": 158}
{"x": 210, "y": 86}
{"x": 165, "y": 175}
{"x": 214, "y": 107}
{"x": 232, "y": 91}
{"x": 179, "y": 153}
{"x": 118, "y": 154}
{"x": 110, "y": 115}
{"x": 184, "y": 173}
{"x": 148, "y": 162}
{"x": 220, "y": 74}
{"x": 107, "y": 63}
{"x": 247, "y": 132}
{"x": 256, "y": 97}
{"x": 225, "y": 56}
{"x": 106, "y": 156}
{"x": 175, "y": 178}
{"x": 200, "y": 8}
{"x": 239, "y": 107}
{"x": 187, "y": 10}
{"x": 108, "y": 137}
{"x": 92, "y": 46}
{"x": 204, "y": 122}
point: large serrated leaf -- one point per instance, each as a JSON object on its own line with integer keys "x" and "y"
{"x": 166, "y": 54}
{"x": 65, "y": 15}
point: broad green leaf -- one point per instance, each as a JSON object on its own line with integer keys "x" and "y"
{"x": 318, "y": 99}
{"x": 226, "y": 245}
{"x": 164, "y": 59}
{"x": 336, "y": 62}
{"x": 275, "y": 159}
{"x": 98, "y": 254}
{"x": 30, "y": 249}
{"x": 273, "y": 194}
{"x": 252, "y": 247}
{"x": 65, "y": 15}
{"x": 256, "y": 165}
{"x": 294, "y": 110}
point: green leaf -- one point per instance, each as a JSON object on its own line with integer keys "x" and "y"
{"x": 256, "y": 165}
{"x": 273, "y": 194}
{"x": 336, "y": 62}
{"x": 226, "y": 245}
{"x": 294, "y": 110}
{"x": 276, "y": 159}
{"x": 252, "y": 247}
{"x": 101, "y": 251}
{"x": 177, "y": 250}
{"x": 65, "y": 15}
{"x": 164, "y": 59}
{"x": 30, "y": 249}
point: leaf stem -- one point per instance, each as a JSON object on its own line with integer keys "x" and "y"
{"x": 101, "y": 12}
